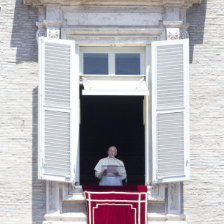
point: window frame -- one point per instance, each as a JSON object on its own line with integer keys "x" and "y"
{"x": 145, "y": 71}
{"x": 111, "y": 51}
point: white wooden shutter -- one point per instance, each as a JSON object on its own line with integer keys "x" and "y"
{"x": 58, "y": 110}
{"x": 170, "y": 110}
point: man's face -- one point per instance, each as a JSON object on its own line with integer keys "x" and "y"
{"x": 112, "y": 152}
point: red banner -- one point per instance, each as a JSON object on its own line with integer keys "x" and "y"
{"x": 116, "y": 205}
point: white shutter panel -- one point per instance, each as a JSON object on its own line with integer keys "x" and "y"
{"x": 58, "y": 110}
{"x": 170, "y": 110}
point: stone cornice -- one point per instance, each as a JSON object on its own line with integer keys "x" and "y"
{"x": 48, "y": 23}
{"x": 176, "y": 24}
{"x": 166, "y": 3}
{"x": 114, "y": 31}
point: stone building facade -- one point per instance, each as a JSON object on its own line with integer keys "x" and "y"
{"x": 24, "y": 198}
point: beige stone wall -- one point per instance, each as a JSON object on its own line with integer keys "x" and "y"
{"x": 204, "y": 194}
{"x": 22, "y": 197}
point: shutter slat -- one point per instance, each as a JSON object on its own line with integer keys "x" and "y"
{"x": 58, "y": 135}
{"x": 57, "y": 79}
{"x": 169, "y": 89}
{"x": 170, "y": 155}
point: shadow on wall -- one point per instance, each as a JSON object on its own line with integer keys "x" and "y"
{"x": 23, "y": 38}
{"x": 38, "y": 186}
{"x": 24, "y": 32}
{"x": 196, "y": 17}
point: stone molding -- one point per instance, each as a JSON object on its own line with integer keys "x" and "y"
{"x": 166, "y": 3}
{"x": 112, "y": 36}
{"x": 53, "y": 28}
{"x": 172, "y": 33}
{"x": 176, "y": 30}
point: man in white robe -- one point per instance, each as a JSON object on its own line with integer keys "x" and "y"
{"x": 101, "y": 171}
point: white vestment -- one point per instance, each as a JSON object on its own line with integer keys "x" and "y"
{"x": 104, "y": 180}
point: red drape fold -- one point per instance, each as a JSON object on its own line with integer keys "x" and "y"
{"x": 116, "y": 204}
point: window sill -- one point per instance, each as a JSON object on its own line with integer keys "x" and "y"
{"x": 156, "y": 193}
{"x": 81, "y": 217}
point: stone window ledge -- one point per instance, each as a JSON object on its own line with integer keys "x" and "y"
{"x": 155, "y": 193}
{"x": 81, "y": 217}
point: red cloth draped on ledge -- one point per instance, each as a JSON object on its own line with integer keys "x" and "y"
{"x": 116, "y": 204}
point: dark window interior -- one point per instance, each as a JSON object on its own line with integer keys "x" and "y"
{"x": 112, "y": 120}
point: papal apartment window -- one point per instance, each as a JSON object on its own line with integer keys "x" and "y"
{"x": 112, "y": 119}
{"x": 136, "y": 98}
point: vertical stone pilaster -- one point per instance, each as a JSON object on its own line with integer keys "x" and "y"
{"x": 41, "y": 31}
{"x": 53, "y": 21}
{"x": 172, "y": 13}
{"x": 174, "y": 198}
{"x": 175, "y": 23}
{"x": 54, "y": 197}
{"x": 49, "y": 21}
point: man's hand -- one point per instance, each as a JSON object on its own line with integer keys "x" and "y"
{"x": 105, "y": 172}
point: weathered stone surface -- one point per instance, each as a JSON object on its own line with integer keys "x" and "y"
{"x": 179, "y": 3}
{"x": 22, "y": 196}
{"x": 120, "y": 19}
{"x": 203, "y": 194}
